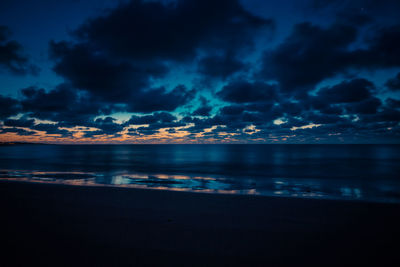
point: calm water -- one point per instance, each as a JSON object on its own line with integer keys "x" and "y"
{"x": 357, "y": 172}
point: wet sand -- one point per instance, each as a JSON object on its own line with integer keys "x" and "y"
{"x": 102, "y": 226}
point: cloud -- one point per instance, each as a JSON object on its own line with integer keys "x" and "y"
{"x": 12, "y": 58}
{"x": 149, "y": 58}
{"x": 359, "y": 12}
{"x": 109, "y": 81}
{"x": 385, "y": 115}
{"x": 311, "y": 54}
{"x": 160, "y": 99}
{"x": 393, "y": 103}
{"x": 383, "y": 50}
{"x": 18, "y": 131}
{"x": 142, "y": 30}
{"x": 367, "y": 6}
{"x": 9, "y": 107}
{"x": 108, "y": 125}
{"x": 394, "y": 83}
{"x": 50, "y": 128}
{"x": 156, "y": 121}
{"x": 317, "y": 118}
{"x": 352, "y": 97}
{"x": 158, "y": 117}
{"x": 235, "y": 117}
{"x": 367, "y": 106}
{"x": 63, "y": 104}
{"x": 248, "y": 92}
{"x": 21, "y": 122}
{"x": 115, "y": 57}
{"x": 346, "y": 92}
{"x": 204, "y": 109}
{"x": 155, "y": 127}
{"x": 220, "y": 66}
{"x": 104, "y": 77}
{"x": 68, "y": 107}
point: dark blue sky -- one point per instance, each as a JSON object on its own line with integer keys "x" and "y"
{"x": 310, "y": 71}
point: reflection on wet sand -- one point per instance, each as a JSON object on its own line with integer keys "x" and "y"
{"x": 301, "y": 188}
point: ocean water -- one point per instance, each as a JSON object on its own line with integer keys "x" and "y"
{"x": 351, "y": 172}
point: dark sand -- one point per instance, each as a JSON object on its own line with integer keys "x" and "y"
{"x": 101, "y": 226}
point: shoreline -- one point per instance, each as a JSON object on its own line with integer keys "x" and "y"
{"x": 103, "y": 226}
{"x": 235, "y": 192}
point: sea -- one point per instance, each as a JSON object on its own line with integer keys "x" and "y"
{"x": 343, "y": 172}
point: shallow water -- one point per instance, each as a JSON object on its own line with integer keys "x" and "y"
{"x": 352, "y": 172}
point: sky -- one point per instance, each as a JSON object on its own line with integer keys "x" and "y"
{"x": 200, "y": 71}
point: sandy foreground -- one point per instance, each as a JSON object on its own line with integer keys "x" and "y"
{"x": 61, "y": 225}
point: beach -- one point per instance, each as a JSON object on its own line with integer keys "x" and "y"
{"x": 63, "y": 225}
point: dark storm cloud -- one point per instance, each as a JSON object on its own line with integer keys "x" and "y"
{"x": 352, "y": 103}
{"x": 251, "y": 104}
{"x": 133, "y": 132}
{"x": 291, "y": 108}
{"x": 107, "y": 125}
{"x": 393, "y": 103}
{"x": 236, "y": 117}
{"x": 373, "y": 5}
{"x": 158, "y": 117}
{"x": 359, "y": 12}
{"x": 245, "y": 92}
{"x": 353, "y": 132}
{"x": 155, "y": 127}
{"x": 346, "y": 92}
{"x": 25, "y": 122}
{"x": 9, "y": 107}
{"x": 115, "y": 56}
{"x": 21, "y": 122}
{"x": 220, "y": 66}
{"x": 63, "y": 105}
{"x": 312, "y": 53}
{"x": 50, "y": 128}
{"x": 202, "y": 123}
{"x": 69, "y": 107}
{"x": 153, "y": 30}
{"x": 382, "y": 123}
{"x": 232, "y": 110}
{"x": 383, "y": 50}
{"x": 250, "y": 113}
{"x": 18, "y": 131}
{"x": 309, "y": 55}
{"x": 367, "y": 106}
{"x": 321, "y": 118}
{"x": 349, "y": 109}
{"x": 12, "y": 58}
{"x": 353, "y": 97}
{"x": 160, "y": 99}
{"x": 204, "y": 109}
{"x": 142, "y": 131}
{"x": 104, "y": 77}
{"x": 38, "y": 100}
{"x": 394, "y": 83}
{"x": 156, "y": 121}
{"x": 121, "y": 83}
{"x": 385, "y": 115}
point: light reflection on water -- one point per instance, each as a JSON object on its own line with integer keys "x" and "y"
{"x": 300, "y": 188}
